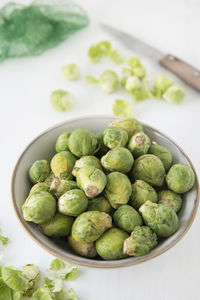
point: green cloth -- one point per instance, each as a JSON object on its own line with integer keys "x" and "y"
{"x": 31, "y": 30}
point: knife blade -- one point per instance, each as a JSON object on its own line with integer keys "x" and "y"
{"x": 182, "y": 69}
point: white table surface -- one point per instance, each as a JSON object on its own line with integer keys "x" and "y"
{"x": 173, "y": 26}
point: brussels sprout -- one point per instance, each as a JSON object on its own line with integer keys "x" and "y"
{"x": 173, "y": 199}
{"x": 90, "y": 225}
{"x": 141, "y": 241}
{"x": 59, "y": 226}
{"x": 174, "y": 94}
{"x": 39, "y": 208}
{"x": 39, "y": 171}
{"x": 71, "y": 72}
{"x": 116, "y": 57}
{"x": 86, "y": 161}
{"x": 118, "y": 189}
{"x": 60, "y": 186}
{"x": 91, "y": 180}
{"x": 100, "y": 204}
{"x": 162, "y": 83}
{"x": 126, "y": 218}
{"x": 62, "y": 100}
{"x": 83, "y": 142}
{"x": 39, "y": 187}
{"x": 139, "y": 144}
{"x": 162, "y": 153}
{"x": 118, "y": 159}
{"x": 131, "y": 125}
{"x": 95, "y": 52}
{"x": 141, "y": 192}
{"x": 110, "y": 245}
{"x": 122, "y": 108}
{"x": 126, "y": 72}
{"x": 62, "y": 164}
{"x": 62, "y": 142}
{"x": 103, "y": 149}
{"x": 115, "y": 137}
{"x": 180, "y": 178}
{"x": 133, "y": 84}
{"x": 82, "y": 248}
{"x": 109, "y": 81}
{"x": 137, "y": 67}
{"x": 49, "y": 179}
{"x": 149, "y": 168}
{"x": 73, "y": 203}
{"x": 161, "y": 218}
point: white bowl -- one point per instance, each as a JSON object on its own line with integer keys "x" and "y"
{"x": 42, "y": 147}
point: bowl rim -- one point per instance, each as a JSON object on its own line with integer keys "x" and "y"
{"x": 91, "y": 263}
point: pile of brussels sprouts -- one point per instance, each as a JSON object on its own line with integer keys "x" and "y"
{"x": 112, "y": 194}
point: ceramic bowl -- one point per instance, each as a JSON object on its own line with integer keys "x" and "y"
{"x": 42, "y": 147}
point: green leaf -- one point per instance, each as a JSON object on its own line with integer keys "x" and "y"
{"x": 116, "y": 57}
{"x": 4, "y": 240}
{"x": 5, "y": 291}
{"x": 91, "y": 79}
{"x": 59, "y": 269}
{"x": 122, "y": 108}
{"x": 174, "y": 94}
{"x": 71, "y": 295}
{"x": 15, "y": 279}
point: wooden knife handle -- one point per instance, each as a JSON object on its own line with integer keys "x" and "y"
{"x": 186, "y": 72}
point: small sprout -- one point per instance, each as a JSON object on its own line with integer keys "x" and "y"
{"x": 149, "y": 168}
{"x": 90, "y": 225}
{"x": 83, "y": 142}
{"x": 131, "y": 125}
{"x": 133, "y": 84}
{"x": 59, "y": 226}
{"x": 108, "y": 81}
{"x": 141, "y": 192}
{"x": 82, "y": 248}
{"x": 110, "y": 245}
{"x": 118, "y": 189}
{"x": 96, "y": 52}
{"x": 137, "y": 67}
{"x": 174, "y": 94}
{"x": 138, "y": 96}
{"x": 86, "y": 161}
{"x": 62, "y": 142}
{"x": 62, "y": 100}
{"x": 118, "y": 159}
{"x": 122, "y": 108}
{"x": 39, "y": 207}
{"x": 91, "y": 180}
{"x": 39, "y": 171}
{"x": 162, "y": 83}
{"x": 116, "y": 57}
{"x": 32, "y": 272}
{"x": 62, "y": 165}
{"x": 126, "y": 218}
{"x": 115, "y": 137}
{"x": 39, "y": 187}
{"x": 163, "y": 153}
{"x": 151, "y": 92}
{"x": 173, "y": 199}
{"x": 180, "y": 178}
{"x": 71, "y": 72}
{"x": 60, "y": 270}
{"x": 139, "y": 144}
{"x": 161, "y": 218}
{"x": 100, "y": 204}
{"x": 141, "y": 241}
{"x": 60, "y": 186}
{"x": 72, "y": 203}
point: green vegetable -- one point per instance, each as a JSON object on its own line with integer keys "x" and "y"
{"x": 180, "y": 178}
{"x": 115, "y": 137}
{"x": 126, "y": 73}
{"x": 131, "y": 125}
{"x": 174, "y": 94}
{"x": 118, "y": 189}
{"x": 62, "y": 100}
{"x": 138, "y": 96}
{"x": 116, "y": 57}
{"x": 91, "y": 180}
{"x": 60, "y": 270}
{"x": 151, "y": 92}
{"x": 141, "y": 192}
{"x": 96, "y": 52}
{"x": 82, "y": 248}
{"x": 62, "y": 142}
{"x": 59, "y": 226}
{"x": 71, "y": 72}
{"x": 162, "y": 83}
{"x": 136, "y": 67}
{"x": 86, "y": 161}
{"x": 71, "y": 295}
{"x": 5, "y": 291}
{"x": 141, "y": 241}
{"x": 4, "y": 240}
{"x": 50, "y": 291}
{"x": 62, "y": 165}
{"x": 83, "y": 142}
{"x": 118, "y": 159}
{"x": 163, "y": 153}
{"x": 122, "y": 108}
{"x": 39, "y": 187}
{"x": 161, "y": 218}
{"x": 139, "y": 144}
{"x": 60, "y": 186}
{"x": 39, "y": 171}
{"x": 126, "y": 218}
{"x": 103, "y": 149}
{"x": 100, "y": 204}
{"x": 110, "y": 245}
{"x": 90, "y": 225}
{"x": 109, "y": 81}
{"x": 72, "y": 203}
{"x": 173, "y": 199}
{"x": 133, "y": 84}
{"x": 149, "y": 168}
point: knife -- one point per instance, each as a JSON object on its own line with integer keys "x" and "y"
{"x": 182, "y": 69}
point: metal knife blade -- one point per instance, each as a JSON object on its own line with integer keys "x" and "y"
{"x": 182, "y": 69}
